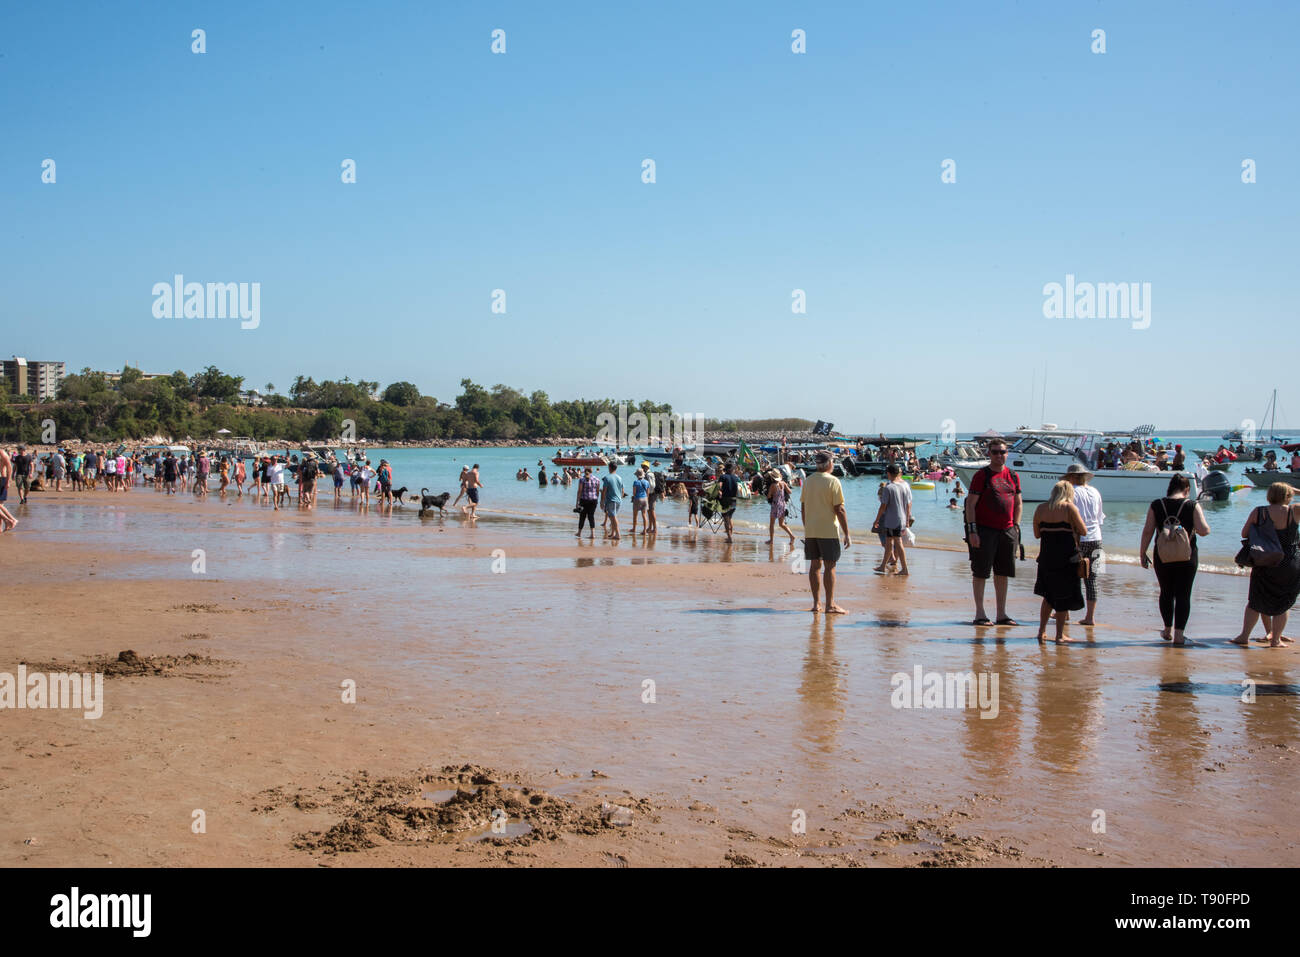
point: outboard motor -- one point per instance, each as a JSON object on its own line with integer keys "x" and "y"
{"x": 1216, "y": 487}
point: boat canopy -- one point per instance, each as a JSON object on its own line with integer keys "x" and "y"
{"x": 883, "y": 441}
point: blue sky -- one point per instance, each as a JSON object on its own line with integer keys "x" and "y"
{"x": 775, "y": 171}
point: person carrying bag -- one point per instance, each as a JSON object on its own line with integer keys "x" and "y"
{"x": 1173, "y": 521}
{"x": 1173, "y": 544}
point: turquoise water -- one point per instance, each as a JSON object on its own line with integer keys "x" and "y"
{"x": 438, "y": 470}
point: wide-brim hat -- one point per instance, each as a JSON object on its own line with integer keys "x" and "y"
{"x": 1077, "y": 469}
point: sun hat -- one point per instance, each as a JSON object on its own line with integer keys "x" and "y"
{"x": 1077, "y": 469}
{"x": 823, "y": 458}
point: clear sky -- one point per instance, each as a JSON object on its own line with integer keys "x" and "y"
{"x": 775, "y": 171}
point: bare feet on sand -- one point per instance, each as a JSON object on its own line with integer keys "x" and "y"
{"x": 836, "y": 610}
{"x": 1264, "y": 640}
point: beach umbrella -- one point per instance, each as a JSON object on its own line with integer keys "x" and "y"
{"x": 223, "y": 431}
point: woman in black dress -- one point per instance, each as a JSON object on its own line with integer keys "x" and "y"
{"x": 1175, "y": 578}
{"x": 1273, "y": 590}
{"x": 1058, "y": 524}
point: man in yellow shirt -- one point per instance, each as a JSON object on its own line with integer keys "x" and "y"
{"x": 821, "y": 507}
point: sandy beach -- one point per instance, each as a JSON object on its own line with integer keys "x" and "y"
{"x": 504, "y": 665}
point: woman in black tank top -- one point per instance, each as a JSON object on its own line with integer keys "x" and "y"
{"x": 1175, "y": 578}
{"x": 1273, "y": 590}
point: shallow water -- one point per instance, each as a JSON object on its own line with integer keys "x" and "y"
{"x": 439, "y": 469}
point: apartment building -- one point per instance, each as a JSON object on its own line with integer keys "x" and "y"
{"x": 33, "y": 378}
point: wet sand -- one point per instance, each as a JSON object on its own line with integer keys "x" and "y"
{"x": 523, "y": 688}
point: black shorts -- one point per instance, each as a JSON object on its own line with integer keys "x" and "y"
{"x": 892, "y": 532}
{"x": 4, "y": 488}
{"x": 728, "y": 506}
{"x": 473, "y": 494}
{"x": 825, "y": 549}
{"x": 997, "y": 552}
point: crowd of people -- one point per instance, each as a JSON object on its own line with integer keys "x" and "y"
{"x": 271, "y": 478}
{"x": 1068, "y": 525}
{"x": 1069, "y": 529}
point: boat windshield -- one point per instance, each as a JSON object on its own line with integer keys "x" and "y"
{"x": 1030, "y": 445}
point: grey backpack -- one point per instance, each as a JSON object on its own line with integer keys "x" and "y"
{"x": 1172, "y": 542}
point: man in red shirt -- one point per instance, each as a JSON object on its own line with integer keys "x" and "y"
{"x": 993, "y": 530}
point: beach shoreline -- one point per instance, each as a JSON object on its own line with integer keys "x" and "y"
{"x": 532, "y": 676}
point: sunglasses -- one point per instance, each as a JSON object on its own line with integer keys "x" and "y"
{"x": 997, "y": 451}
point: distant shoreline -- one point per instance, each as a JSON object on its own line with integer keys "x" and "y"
{"x": 555, "y": 442}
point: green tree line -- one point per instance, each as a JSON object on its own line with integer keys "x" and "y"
{"x": 201, "y": 404}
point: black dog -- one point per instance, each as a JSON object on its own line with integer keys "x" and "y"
{"x": 399, "y": 494}
{"x": 428, "y": 501}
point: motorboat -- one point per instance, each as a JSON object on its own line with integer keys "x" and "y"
{"x": 581, "y": 457}
{"x": 807, "y": 468}
{"x": 876, "y": 463}
{"x": 964, "y": 453}
{"x": 1040, "y": 458}
{"x": 1262, "y": 479}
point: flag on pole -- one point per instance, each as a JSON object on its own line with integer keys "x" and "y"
{"x": 746, "y": 457}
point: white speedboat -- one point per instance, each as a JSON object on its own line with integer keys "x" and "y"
{"x": 1041, "y": 456}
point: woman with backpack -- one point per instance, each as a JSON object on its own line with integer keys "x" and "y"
{"x": 1174, "y": 521}
{"x": 1273, "y": 589}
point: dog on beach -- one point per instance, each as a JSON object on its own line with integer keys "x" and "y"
{"x": 428, "y": 502}
{"x": 399, "y": 494}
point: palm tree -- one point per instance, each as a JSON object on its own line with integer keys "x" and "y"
{"x": 270, "y": 388}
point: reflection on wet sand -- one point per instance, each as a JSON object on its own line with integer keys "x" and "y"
{"x": 511, "y": 664}
{"x": 994, "y": 746}
{"x": 821, "y": 692}
{"x": 1067, "y": 708}
{"x": 1171, "y": 726}
{"x": 1273, "y": 717}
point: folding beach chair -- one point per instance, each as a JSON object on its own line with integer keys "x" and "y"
{"x": 711, "y": 507}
